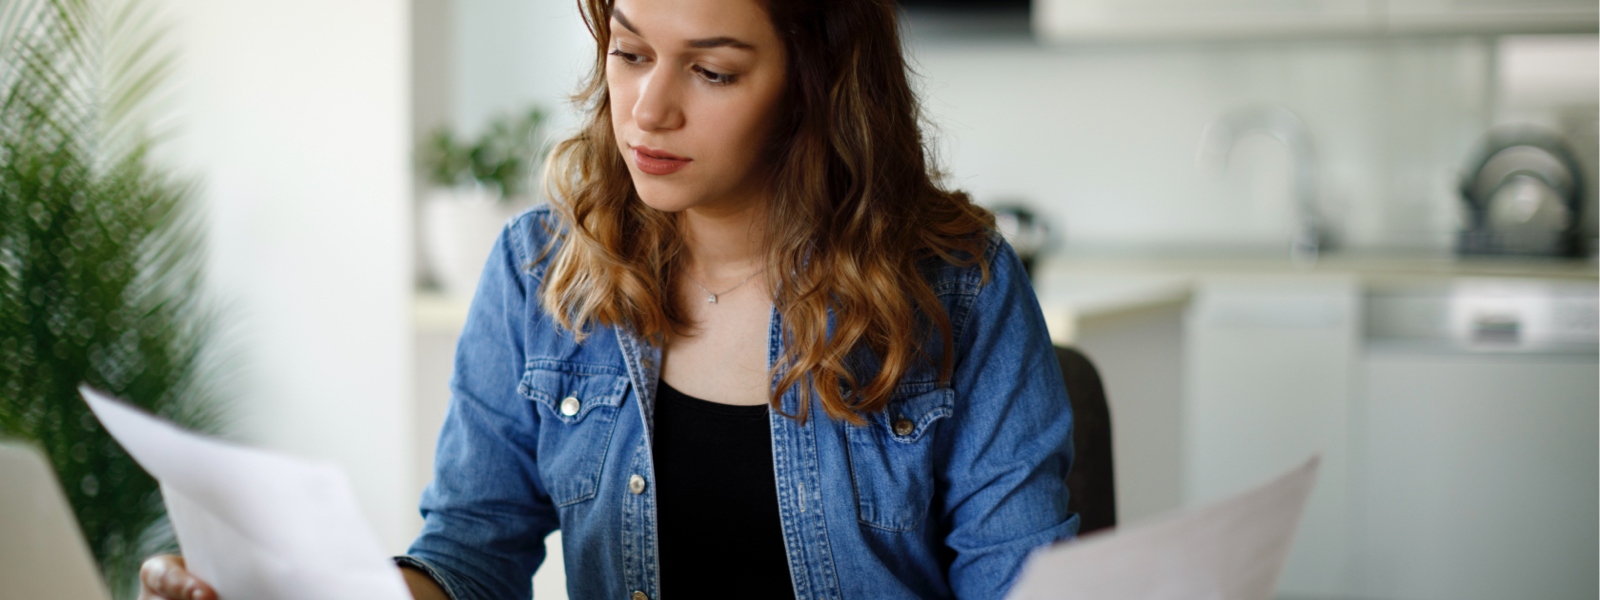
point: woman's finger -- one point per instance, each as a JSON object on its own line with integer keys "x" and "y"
{"x": 165, "y": 577}
{"x": 155, "y": 576}
{"x": 151, "y": 573}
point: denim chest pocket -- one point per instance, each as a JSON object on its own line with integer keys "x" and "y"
{"x": 578, "y": 406}
{"x": 891, "y": 458}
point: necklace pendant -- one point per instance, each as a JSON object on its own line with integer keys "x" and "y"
{"x": 712, "y": 299}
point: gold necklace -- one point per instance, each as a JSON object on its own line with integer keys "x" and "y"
{"x": 712, "y": 296}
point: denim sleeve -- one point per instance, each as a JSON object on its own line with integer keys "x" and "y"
{"x": 486, "y": 512}
{"x": 1010, "y": 446}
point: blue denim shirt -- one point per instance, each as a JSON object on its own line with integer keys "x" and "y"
{"x": 941, "y": 495}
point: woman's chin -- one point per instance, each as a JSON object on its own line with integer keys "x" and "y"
{"x": 678, "y": 196}
{"x": 670, "y": 201}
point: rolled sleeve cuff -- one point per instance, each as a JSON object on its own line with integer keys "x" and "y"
{"x": 440, "y": 577}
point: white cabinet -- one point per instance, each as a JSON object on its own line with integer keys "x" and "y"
{"x": 1475, "y": 422}
{"x": 1479, "y": 475}
{"x": 1107, "y": 20}
{"x": 1267, "y": 383}
{"x": 1490, "y": 16}
{"x": 1131, "y": 327}
{"x": 1076, "y": 21}
{"x": 1457, "y": 423}
{"x": 1455, "y": 405}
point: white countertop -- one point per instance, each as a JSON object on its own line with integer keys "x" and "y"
{"x": 435, "y": 312}
{"x": 1370, "y": 266}
{"x": 1068, "y": 301}
{"x": 1077, "y": 287}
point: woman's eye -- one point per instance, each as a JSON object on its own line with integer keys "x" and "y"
{"x": 627, "y": 57}
{"x": 714, "y": 77}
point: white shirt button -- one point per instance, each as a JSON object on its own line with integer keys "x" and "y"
{"x": 636, "y": 484}
{"x": 570, "y": 406}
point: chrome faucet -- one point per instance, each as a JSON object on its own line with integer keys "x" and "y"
{"x": 1216, "y": 143}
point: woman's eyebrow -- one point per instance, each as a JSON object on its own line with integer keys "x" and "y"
{"x": 713, "y": 42}
{"x": 617, "y": 14}
{"x": 719, "y": 42}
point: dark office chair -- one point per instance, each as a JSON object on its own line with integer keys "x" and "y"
{"x": 1091, "y": 482}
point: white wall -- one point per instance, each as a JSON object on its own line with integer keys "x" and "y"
{"x": 514, "y": 53}
{"x": 1104, "y": 139}
{"x": 1554, "y": 81}
{"x": 294, "y": 115}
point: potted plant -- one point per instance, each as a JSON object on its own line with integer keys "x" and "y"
{"x": 476, "y": 188}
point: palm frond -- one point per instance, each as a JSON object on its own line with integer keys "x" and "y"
{"x": 101, "y": 261}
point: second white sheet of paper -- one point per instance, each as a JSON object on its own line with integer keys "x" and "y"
{"x": 1231, "y": 550}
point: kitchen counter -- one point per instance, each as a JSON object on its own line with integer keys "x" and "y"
{"x": 437, "y": 312}
{"x": 1071, "y": 301}
{"x": 1369, "y": 265}
{"x": 1078, "y": 289}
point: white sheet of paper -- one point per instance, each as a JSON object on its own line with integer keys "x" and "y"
{"x": 254, "y": 524}
{"x": 1231, "y": 550}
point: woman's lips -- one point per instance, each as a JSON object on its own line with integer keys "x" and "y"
{"x": 657, "y": 162}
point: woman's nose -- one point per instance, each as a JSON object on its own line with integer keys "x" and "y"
{"x": 657, "y": 107}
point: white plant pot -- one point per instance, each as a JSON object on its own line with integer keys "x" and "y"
{"x": 459, "y": 228}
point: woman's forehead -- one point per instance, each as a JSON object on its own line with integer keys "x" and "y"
{"x": 741, "y": 24}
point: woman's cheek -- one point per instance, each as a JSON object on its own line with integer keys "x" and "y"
{"x": 734, "y": 125}
{"x": 622, "y": 95}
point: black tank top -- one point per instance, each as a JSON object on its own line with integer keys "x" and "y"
{"x": 717, "y": 500}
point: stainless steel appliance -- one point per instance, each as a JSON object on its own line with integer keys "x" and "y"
{"x": 1524, "y": 191}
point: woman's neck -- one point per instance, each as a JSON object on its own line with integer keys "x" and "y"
{"x": 725, "y": 244}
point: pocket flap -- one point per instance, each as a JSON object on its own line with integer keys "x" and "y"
{"x": 918, "y": 408}
{"x": 552, "y": 383}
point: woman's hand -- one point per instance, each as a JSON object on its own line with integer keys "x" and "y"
{"x": 165, "y": 578}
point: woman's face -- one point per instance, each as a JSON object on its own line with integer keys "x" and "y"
{"x": 695, "y": 86}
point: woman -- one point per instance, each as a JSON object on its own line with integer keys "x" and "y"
{"x": 752, "y": 347}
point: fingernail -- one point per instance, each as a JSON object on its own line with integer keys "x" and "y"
{"x": 195, "y": 594}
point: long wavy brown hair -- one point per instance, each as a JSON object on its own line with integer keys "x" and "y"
{"x": 855, "y": 207}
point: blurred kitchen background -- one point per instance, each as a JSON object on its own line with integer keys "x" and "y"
{"x": 1249, "y": 213}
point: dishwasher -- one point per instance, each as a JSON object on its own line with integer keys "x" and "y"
{"x": 1474, "y": 437}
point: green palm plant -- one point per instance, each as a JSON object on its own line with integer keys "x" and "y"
{"x": 100, "y": 262}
